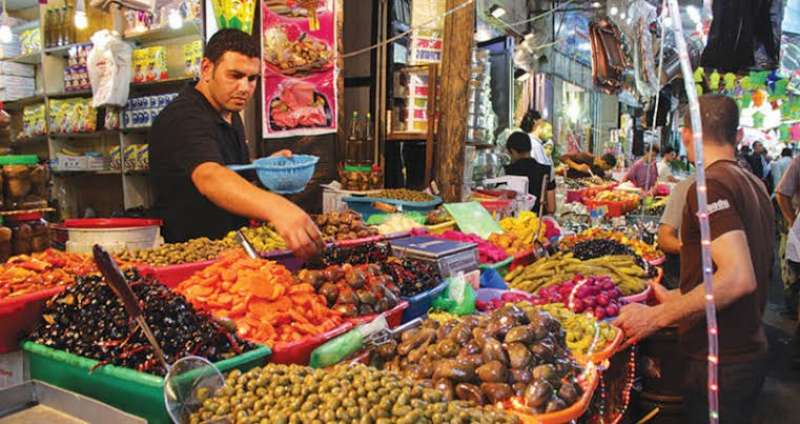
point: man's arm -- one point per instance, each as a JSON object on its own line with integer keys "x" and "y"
{"x": 734, "y": 279}
{"x": 668, "y": 240}
{"x": 228, "y": 190}
{"x": 787, "y": 210}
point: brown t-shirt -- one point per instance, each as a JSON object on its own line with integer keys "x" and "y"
{"x": 737, "y": 200}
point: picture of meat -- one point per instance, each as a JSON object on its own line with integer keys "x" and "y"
{"x": 289, "y": 51}
{"x": 298, "y": 105}
{"x": 296, "y": 8}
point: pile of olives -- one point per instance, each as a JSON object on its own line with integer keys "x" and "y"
{"x": 404, "y": 194}
{"x": 345, "y": 393}
{"x": 194, "y": 250}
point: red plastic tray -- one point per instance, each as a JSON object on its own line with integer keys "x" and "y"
{"x": 575, "y": 196}
{"x": 394, "y": 316}
{"x": 299, "y": 352}
{"x": 356, "y": 242}
{"x": 173, "y": 275}
{"x": 645, "y": 294}
{"x": 570, "y": 414}
{"x": 286, "y": 258}
{"x": 19, "y": 316}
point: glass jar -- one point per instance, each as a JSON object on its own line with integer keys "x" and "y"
{"x": 24, "y": 182}
{"x": 5, "y": 243}
{"x": 21, "y": 238}
{"x": 40, "y": 235}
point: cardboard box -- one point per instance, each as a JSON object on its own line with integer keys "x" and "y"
{"x": 16, "y": 69}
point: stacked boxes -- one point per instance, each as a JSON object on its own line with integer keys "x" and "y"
{"x": 72, "y": 116}
{"x": 16, "y": 81}
{"x": 140, "y": 112}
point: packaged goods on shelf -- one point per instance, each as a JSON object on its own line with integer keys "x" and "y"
{"x": 76, "y": 75}
{"x": 192, "y": 55}
{"x": 16, "y": 69}
{"x": 30, "y": 41}
{"x": 14, "y": 87}
{"x": 72, "y": 116}
{"x": 33, "y": 121}
{"x": 11, "y": 49}
{"x": 115, "y": 154}
{"x": 140, "y": 112}
{"x": 150, "y": 64}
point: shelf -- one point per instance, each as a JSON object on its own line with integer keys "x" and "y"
{"x": 407, "y": 136}
{"x": 163, "y": 83}
{"x": 137, "y": 173}
{"x": 29, "y": 59}
{"x": 481, "y": 145}
{"x": 190, "y": 27}
{"x": 79, "y": 173}
{"x": 28, "y": 140}
{"x": 70, "y": 94}
{"x": 14, "y": 105}
{"x": 62, "y": 50}
{"x": 94, "y": 134}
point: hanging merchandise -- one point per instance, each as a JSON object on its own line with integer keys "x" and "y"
{"x": 239, "y": 14}
{"x": 299, "y": 87}
{"x": 643, "y": 15}
{"x": 529, "y": 54}
{"x": 426, "y": 42}
{"x": 739, "y": 28}
{"x": 109, "y": 64}
{"x": 608, "y": 61}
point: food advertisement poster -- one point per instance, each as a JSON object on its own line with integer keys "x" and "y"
{"x": 297, "y": 55}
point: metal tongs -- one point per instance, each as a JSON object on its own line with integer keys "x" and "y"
{"x": 385, "y": 335}
{"x": 246, "y": 245}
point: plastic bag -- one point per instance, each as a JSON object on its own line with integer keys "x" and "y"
{"x": 109, "y": 65}
{"x": 459, "y": 297}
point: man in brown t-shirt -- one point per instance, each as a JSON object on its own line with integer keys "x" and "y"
{"x": 742, "y": 248}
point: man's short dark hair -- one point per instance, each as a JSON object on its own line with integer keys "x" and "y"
{"x": 654, "y": 148}
{"x": 610, "y": 159}
{"x": 529, "y": 120}
{"x": 720, "y": 118}
{"x": 668, "y": 150}
{"x": 786, "y": 152}
{"x": 519, "y": 141}
{"x": 230, "y": 40}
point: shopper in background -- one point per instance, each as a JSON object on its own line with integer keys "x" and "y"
{"x": 198, "y": 134}
{"x": 759, "y": 163}
{"x": 585, "y": 164}
{"x": 742, "y": 248}
{"x": 522, "y": 164}
{"x": 644, "y": 172}
{"x": 779, "y": 167}
{"x": 669, "y": 228}
{"x": 787, "y": 193}
{"x": 529, "y": 123}
{"x": 665, "y": 165}
{"x": 743, "y": 158}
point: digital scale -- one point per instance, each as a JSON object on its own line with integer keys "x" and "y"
{"x": 451, "y": 257}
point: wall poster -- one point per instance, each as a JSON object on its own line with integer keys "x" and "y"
{"x": 298, "y": 95}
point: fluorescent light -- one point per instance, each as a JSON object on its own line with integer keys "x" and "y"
{"x": 693, "y": 13}
{"x": 613, "y": 11}
{"x": 81, "y": 21}
{"x": 596, "y": 5}
{"x": 497, "y": 11}
{"x": 175, "y": 19}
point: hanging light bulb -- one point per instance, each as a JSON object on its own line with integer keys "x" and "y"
{"x": 6, "y": 36}
{"x": 175, "y": 19}
{"x": 81, "y": 20}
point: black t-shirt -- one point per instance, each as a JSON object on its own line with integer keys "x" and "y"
{"x": 187, "y": 133}
{"x": 585, "y": 158}
{"x": 535, "y": 172}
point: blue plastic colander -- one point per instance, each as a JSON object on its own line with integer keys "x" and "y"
{"x": 281, "y": 174}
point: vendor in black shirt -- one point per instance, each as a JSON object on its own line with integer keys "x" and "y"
{"x": 585, "y": 165}
{"x": 197, "y": 135}
{"x": 522, "y": 164}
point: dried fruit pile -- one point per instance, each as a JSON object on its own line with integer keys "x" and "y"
{"x": 261, "y": 297}
{"x": 194, "y": 250}
{"x": 354, "y": 255}
{"x": 511, "y": 356}
{"x": 25, "y": 274}
{"x": 411, "y": 275}
{"x": 403, "y": 194}
{"x": 88, "y": 320}
{"x": 340, "y": 226}
{"x": 353, "y": 290}
{"x": 344, "y": 393}
{"x": 647, "y": 251}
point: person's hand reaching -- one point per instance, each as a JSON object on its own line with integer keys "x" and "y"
{"x": 285, "y": 153}
{"x": 298, "y": 229}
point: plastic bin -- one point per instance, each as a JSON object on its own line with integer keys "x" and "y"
{"x": 363, "y": 205}
{"x": 299, "y": 352}
{"x": 358, "y": 242}
{"x": 418, "y": 305}
{"x": 394, "y": 316}
{"x": 131, "y": 391}
{"x": 19, "y": 316}
{"x": 114, "y": 234}
{"x": 575, "y": 411}
{"x": 172, "y": 275}
{"x": 501, "y": 267}
{"x": 645, "y": 294}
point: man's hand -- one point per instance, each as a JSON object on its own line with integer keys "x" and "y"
{"x": 638, "y": 322}
{"x": 286, "y": 153}
{"x": 298, "y": 229}
{"x": 663, "y": 295}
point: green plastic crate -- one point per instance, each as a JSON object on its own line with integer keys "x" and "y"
{"x": 135, "y": 392}
{"x": 501, "y": 267}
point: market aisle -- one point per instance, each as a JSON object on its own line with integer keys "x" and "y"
{"x": 781, "y": 395}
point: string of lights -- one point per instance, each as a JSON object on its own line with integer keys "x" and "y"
{"x": 702, "y": 214}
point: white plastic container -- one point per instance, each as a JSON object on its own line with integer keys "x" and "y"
{"x": 115, "y": 234}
